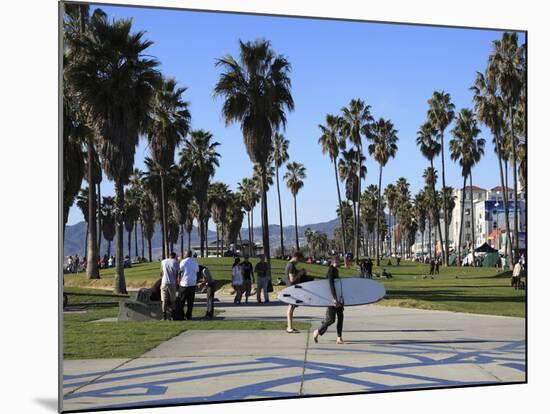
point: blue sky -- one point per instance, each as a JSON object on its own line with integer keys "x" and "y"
{"x": 394, "y": 68}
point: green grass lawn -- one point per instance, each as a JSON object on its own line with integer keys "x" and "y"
{"x": 459, "y": 289}
{"x": 85, "y": 339}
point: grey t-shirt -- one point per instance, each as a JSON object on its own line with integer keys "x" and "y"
{"x": 290, "y": 268}
{"x": 170, "y": 269}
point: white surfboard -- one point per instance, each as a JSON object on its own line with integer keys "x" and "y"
{"x": 350, "y": 292}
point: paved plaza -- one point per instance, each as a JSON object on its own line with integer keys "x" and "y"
{"x": 387, "y": 348}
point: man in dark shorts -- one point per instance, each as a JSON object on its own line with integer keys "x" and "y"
{"x": 292, "y": 278}
{"x": 248, "y": 277}
{"x": 207, "y": 280}
{"x": 337, "y": 308}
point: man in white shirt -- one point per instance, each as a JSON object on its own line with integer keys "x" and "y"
{"x": 187, "y": 280}
{"x": 169, "y": 270}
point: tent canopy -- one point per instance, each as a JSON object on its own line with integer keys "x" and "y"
{"x": 485, "y": 248}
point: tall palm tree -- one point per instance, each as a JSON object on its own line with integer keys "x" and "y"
{"x": 199, "y": 158}
{"x": 390, "y": 195}
{"x": 169, "y": 125}
{"x": 83, "y": 204}
{"x": 430, "y": 147}
{"x": 192, "y": 214}
{"x": 108, "y": 222}
{"x": 467, "y": 149}
{"x": 294, "y": 177}
{"x": 116, "y": 81}
{"x": 382, "y": 147}
{"x": 131, "y": 213}
{"x": 76, "y": 124}
{"x": 440, "y": 115}
{"x": 147, "y": 212}
{"x": 348, "y": 168}
{"x": 421, "y": 212}
{"x": 138, "y": 192}
{"x": 280, "y": 156}
{"x": 178, "y": 200}
{"x": 256, "y": 89}
{"x": 331, "y": 144}
{"x": 488, "y": 106}
{"x": 403, "y": 203}
{"x": 507, "y": 68}
{"x": 249, "y": 197}
{"x": 355, "y": 123}
{"x": 218, "y": 199}
{"x": 430, "y": 179}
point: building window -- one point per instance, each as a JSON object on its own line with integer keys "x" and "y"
{"x": 494, "y": 224}
{"x": 467, "y": 224}
{"x": 467, "y": 212}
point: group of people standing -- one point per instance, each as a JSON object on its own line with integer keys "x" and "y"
{"x": 180, "y": 278}
{"x": 242, "y": 277}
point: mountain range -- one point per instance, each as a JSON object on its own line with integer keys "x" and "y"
{"x": 75, "y": 236}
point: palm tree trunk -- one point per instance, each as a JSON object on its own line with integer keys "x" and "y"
{"x": 265, "y": 220}
{"x": 472, "y": 214}
{"x": 129, "y": 243}
{"x": 249, "y": 236}
{"x": 252, "y": 245}
{"x": 136, "y": 238}
{"x": 296, "y": 224}
{"x": 206, "y": 220}
{"x": 92, "y": 271}
{"x": 223, "y": 229}
{"x": 430, "y": 237}
{"x": 354, "y": 221}
{"x": 181, "y": 239}
{"x": 462, "y": 222}
{"x": 515, "y": 178}
{"x": 445, "y": 221}
{"x": 142, "y": 240}
{"x": 280, "y": 214}
{"x": 217, "y": 240}
{"x": 341, "y": 208}
{"x": 356, "y": 250}
{"x": 150, "y": 250}
{"x": 189, "y": 239}
{"x": 163, "y": 214}
{"x": 86, "y": 239}
{"x": 120, "y": 282}
{"x": 378, "y": 219}
{"x": 98, "y": 209}
{"x": 505, "y": 199}
{"x": 109, "y": 248}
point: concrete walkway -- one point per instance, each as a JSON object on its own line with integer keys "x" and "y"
{"x": 387, "y": 349}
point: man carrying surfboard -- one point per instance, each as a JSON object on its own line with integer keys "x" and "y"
{"x": 337, "y": 308}
{"x": 292, "y": 277}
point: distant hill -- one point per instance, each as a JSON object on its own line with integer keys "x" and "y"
{"x": 75, "y": 236}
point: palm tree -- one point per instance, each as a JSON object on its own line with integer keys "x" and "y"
{"x": 280, "y": 156}
{"x": 218, "y": 199}
{"x": 430, "y": 179}
{"x": 467, "y": 149}
{"x": 116, "y": 81}
{"x": 348, "y": 171}
{"x": 138, "y": 193}
{"x": 170, "y": 123}
{"x": 294, "y": 177}
{"x": 131, "y": 213}
{"x": 108, "y": 222}
{"x": 390, "y": 195}
{"x": 421, "y": 213}
{"x": 199, "y": 158}
{"x": 403, "y": 203}
{"x": 488, "y": 106}
{"x": 383, "y": 146}
{"x": 356, "y": 122}
{"x": 192, "y": 214}
{"x": 426, "y": 140}
{"x": 440, "y": 115}
{"x": 331, "y": 143}
{"x": 83, "y": 204}
{"x": 249, "y": 197}
{"x": 507, "y": 68}
{"x": 76, "y": 127}
{"x": 147, "y": 213}
{"x": 256, "y": 89}
{"x": 178, "y": 200}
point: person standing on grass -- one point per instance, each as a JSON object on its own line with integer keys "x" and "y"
{"x": 262, "y": 279}
{"x": 516, "y": 275}
{"x": 437, "y": 263}
{"x": 169, "y": 273}
{"x": 207, "y": 280}
{"x": 237, "y": 280}
{"x": 337, "y": 308}
{"x": 248, "y": 277}
{"x": 292, "y": 278}
{"x": 369, "y": 268}
{"x": 187, "y": 281}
